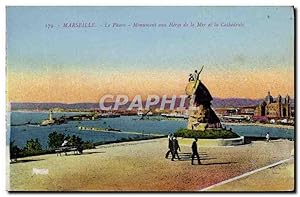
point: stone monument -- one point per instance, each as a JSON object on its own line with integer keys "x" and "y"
{"x": 201, "y": 116}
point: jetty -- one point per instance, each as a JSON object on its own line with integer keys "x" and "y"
{"x": 112, "y": 130}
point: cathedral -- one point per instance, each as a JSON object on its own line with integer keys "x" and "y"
{"x": 274, "y": 107}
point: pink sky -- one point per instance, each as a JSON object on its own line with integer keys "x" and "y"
{"x": 75, "y": 86}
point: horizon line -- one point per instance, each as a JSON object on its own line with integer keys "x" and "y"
{"x": 85, "y": 102}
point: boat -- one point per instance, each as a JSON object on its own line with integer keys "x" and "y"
{"x": 98, "y": 129}
{"x": 175, "y": 115}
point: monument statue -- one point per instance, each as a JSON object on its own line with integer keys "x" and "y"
{"x": 201, "y": 115}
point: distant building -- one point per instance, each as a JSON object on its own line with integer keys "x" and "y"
{"x": 275, "y": 107}
{"x": 247, "y": 110}
{"x": 230, "y": 111}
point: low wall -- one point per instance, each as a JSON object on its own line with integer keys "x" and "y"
{"x": 212, "y": 142}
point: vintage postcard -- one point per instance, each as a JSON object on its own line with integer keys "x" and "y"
{"x": 150, "y": 99}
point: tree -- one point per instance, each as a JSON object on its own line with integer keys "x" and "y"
{"x": 55, "y": 140}
{"x": 77, "y": 142}
{"x": 14, "y": 151}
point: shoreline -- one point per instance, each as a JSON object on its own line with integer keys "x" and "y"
{"x": 261, "y": 125}
{"x": 171, "y": 119}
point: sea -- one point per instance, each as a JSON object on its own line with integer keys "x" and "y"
{"x": 20, "y": 132}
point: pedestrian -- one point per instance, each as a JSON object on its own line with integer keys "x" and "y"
{"x": 195, "y": 152}
{"x": 268, "y": 137}
{"x": 175, "y": 147}
{"x": 170, "y": 145}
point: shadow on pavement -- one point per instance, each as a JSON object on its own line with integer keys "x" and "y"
{"x": 89, "y": 153}
{"x": 203, "y": 157}
{"x": 25, "y": 161}
{"x": 217, "y": 163}
{"x": 187, "y": 157}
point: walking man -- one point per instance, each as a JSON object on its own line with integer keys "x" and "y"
{"x": 195, "y": 152}
{"x": 175, "y": 147}
{"x": 170, "y": 146}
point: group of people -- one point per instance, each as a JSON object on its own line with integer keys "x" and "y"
{"x": 174, "y": 148}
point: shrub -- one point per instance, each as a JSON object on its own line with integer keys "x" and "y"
{"x": 207, "y": 134}
{"x": 88, "y": 145}
{"x": 33, "y": 147}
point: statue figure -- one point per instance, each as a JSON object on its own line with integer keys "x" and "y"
{"x": 191, "y": 78}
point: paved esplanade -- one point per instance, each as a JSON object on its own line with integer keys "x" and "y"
{"x": 141, "y": 166}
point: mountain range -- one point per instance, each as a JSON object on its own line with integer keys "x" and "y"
{"x": 216, "y": 103}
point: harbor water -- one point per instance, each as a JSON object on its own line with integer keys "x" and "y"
{"x": 19, "y": 129}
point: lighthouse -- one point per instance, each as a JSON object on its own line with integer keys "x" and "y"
{"x": 50, "y": 115}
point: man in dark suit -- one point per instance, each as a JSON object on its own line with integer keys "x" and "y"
{"x": 175, "y": 147}
{"x": 195, "y": 152}
{"x": 170, "y": 146}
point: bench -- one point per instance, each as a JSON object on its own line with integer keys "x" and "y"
{"x": 65, "y": 149}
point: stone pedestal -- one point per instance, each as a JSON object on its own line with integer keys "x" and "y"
{"x": 196, "y": 119}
